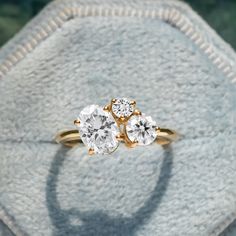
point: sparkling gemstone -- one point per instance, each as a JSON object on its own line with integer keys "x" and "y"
{"x": 98, "y": 129}
{"x": 122, "y": 107}
{"x": 141, "y": 129}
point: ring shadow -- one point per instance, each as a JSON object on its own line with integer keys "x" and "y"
{"x": 98, "y": 223}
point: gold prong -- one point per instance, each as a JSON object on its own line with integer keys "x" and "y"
{"x": 122, "y": 118}
{"x": 91, "y": 151}
{"x": 106, "y": 108}
{"x": 120, "y": 137}
{"x": 157, "y": 129}
{"x": 132, "y": 102}
{"x": 113, "y": 100}
{"x": 137, "y": 112}
{"x": 77, "y": 122}
{"x": 133, "y": 144}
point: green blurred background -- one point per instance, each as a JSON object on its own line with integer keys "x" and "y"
{"x": 220, "y": 14}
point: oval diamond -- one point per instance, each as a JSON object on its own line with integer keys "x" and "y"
{"x": 141, "y": 129}
{"x": 98, "y": 129}
{"x": 122, "y": 107}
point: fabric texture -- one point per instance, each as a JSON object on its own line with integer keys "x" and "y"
{"x": 105, "y": 49}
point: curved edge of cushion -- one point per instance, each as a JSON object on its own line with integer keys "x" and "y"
{"x": 4, "y": 230}
{"x": 8, "y": 226}
{"x": 178, "y": 14}
{"x": 230, "y": 230}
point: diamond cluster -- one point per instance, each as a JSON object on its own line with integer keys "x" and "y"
{"x": 99, "y": 128}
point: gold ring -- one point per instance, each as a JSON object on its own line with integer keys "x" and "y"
{"x": 101, "y": 129}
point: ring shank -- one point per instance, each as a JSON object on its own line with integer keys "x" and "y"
{"x": 71, "y": 138}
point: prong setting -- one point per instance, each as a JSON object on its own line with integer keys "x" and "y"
{"x": 77, "y": 122}
{"x": 132, "y": 144}
{"x": 120, "y": 137}
{"x": 133, "y": 102}
{"x": 158, "y": 129}
{"x": 91, "y": 151}
{"x": 137, "y": 112}
{"x": 107, "y": 108}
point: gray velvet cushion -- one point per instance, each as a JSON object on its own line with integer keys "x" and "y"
{"x": 77, "y": 53}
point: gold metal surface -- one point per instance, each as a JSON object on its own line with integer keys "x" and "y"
{"x": 137, "y": 112}
{"x": 77, "y": 122}
{"x": 90, "y": 151}
{"x": 107, "y": 108}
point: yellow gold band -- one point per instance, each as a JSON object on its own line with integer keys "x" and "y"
{"x": 71, "y": 138}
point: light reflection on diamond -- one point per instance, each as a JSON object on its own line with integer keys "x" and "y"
{"x": 98, "y": 129}
{"x": 122, "y": 107}
{"x": 142, "y": 129}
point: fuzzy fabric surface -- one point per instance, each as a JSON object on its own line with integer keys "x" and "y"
{"x": 188, "y": 188}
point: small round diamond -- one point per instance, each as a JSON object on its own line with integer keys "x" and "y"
{"x": 141, "y": 129}
{"x": 98, "y": 129}
{"x": 122, "y": 107}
